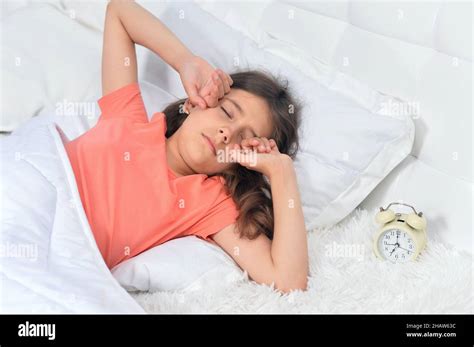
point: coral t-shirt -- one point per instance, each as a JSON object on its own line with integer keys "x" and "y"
{"x": 132, "y": 199}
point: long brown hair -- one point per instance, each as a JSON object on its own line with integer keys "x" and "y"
{"x": 249, "y": 189}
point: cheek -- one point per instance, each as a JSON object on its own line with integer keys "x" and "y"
{"x": 188, "y": 142}
{"x": 193, "y": 148}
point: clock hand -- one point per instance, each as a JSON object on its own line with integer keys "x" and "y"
{"x": 405, "y": 249}
{"x": 394, "y": 248}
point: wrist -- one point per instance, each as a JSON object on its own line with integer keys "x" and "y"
{"x": 182, "y": 59}
{"x": 283, "y": 167}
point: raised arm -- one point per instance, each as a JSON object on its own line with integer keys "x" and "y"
{"x": 127, "y": 24}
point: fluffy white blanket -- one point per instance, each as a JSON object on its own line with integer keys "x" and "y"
{"x": 345, "y": 278}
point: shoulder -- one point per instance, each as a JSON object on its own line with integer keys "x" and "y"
{"x": 158, "y": 117}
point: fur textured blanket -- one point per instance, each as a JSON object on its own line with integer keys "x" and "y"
{"x": 345, "y": 277}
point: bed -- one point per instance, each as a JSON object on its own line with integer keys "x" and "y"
{"x": 364, "y": 58}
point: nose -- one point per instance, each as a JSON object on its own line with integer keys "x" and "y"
{"x": 224, "y": 132}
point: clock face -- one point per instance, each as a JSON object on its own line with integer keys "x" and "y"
{"x": 396, "y": 245}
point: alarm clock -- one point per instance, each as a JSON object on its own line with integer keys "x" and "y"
{"x": 401, "y": 237}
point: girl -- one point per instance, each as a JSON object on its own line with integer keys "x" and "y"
{"x": 217, "y": 165}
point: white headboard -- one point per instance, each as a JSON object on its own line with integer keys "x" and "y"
{"x": 418, "y": 52}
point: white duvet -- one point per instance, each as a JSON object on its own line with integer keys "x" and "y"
{"x": 49, "y": 261}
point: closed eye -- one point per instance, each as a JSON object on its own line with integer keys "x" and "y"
{"x": 227, "y": 113}
{"x": 230, "y": 116}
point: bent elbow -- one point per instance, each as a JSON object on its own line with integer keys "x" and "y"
{"x": 286, "y": 288}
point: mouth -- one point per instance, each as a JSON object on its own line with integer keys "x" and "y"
{"x": 210, "y": 143}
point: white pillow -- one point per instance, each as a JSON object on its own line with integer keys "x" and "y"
{"x": 346, "y": 150}
{"x": 186, "y": 263}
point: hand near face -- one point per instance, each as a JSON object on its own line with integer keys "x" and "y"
{"x": 259, "y": 154}
{"x": 203, "y": 84}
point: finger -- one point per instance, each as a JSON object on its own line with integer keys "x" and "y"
{"x": 272, "y": 143}
{"x": 207, "y": 89}
{"x": 254, "y": 141}
{"x": 274, "y": 146}
{"x": 251, "y": 142}
{"x": 213, "y": 97}
{"x": 194, "y": 98}
{"x": 219, "y": 83}
{"x": 259, "y": 143}
{"x": 211, "y": 100}
{"x": 224, "y": 80}
{"x": 262, "y": 148}
{"x": 266, "y": 143}
{"x": 245, "y": 143}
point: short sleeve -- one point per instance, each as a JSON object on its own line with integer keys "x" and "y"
{"x": 223, "y": 214}
{"x": 123, "y": 102}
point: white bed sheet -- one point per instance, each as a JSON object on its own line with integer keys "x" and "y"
{"x": 50, "y": 262}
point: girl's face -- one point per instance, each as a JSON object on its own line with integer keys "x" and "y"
{"x": 205, "y": 138}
